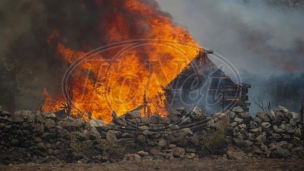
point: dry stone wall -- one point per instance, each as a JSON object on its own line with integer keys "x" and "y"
{"x": 28, "y": 136}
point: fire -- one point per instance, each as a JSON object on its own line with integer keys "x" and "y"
{"x": 103, "y": 83}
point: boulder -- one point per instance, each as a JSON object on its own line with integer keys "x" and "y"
{"x": 133, "y": 114}
{"x": 282, "y": 109}
{"x": 185, "y": 121}
{"x": 238, "y": 120}
{"x": 236, "y": 155}
{"x": 271, "y": 115}
{"x": 178, "y": 152}
{"x": 263, "y": 116}
{"x": 281, "y": 153}
{"x": 111, "y": 136}
{"x": 266, "y": 125}
{"x": 197, "y": 114}
{"x": 237, "y": 109}
{"x": 154, "y": 119}
{"x": 293, "y": 115}
{"x": 49, "y": 115}
{"x": 96, "y": 123}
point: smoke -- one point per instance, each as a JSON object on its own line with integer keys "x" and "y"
{"x": 262, "y": 39}
{"x": 255, "y": 35}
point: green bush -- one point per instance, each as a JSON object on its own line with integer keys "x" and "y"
{"x": 214, "y": 141}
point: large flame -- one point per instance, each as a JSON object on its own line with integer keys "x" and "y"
{"x": 100, "y": 84}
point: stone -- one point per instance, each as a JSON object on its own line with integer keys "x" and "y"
{"x": 293, "y": 115}
{"x": 286, "y": 136}
{"x": 141, "y": 139}
{"x": 266, "y": 125}
{"x": 252, "y": 125}
{"x": 96, "y": 123}
{"x": 143, "y": 153}
{"x": 235, "y": 155}
{"x": 182, "y": 110}
{"x": 281, "y": 153}
{"x": 111, "y": 136}
{"x": 256, "y": 131}
{"x": 271, "y": 115}
{"x": 290, "y": 128}
{"x": 41, "y": 146}
{"x": 238, "y": 109}
{"x": 71, "y": 122}
{"x": 233, "y": 124}
{"x": 174, "y": 116}
{"x": 39, "y": 128}
{"x": 48, "y": 115}
{"x": 154, "y": 119}
{"x": 178, "y": 152}
{"x": 248, "y": 143}
{"x": 164, "y": 120}
{"x": 238, "y": 120}
{"x": 276, "y": 136}
{"x": 197, "y": 114}
{"x": 245, "y": 116}
{"x": 162, "y": 143}
{"x": 263, "y": 116}
{"x": 185, "y": 131}
{"x": 260, "y": 139}
{"x": 120, "y": 121}
{"x": 185, "y": 121}
{"x": 282, "y": 109}
{"x": 230, "y": 114}
{"x": 258, "y": 121}
{"x": 293, "y": 122}
{"x": 210, "y": 123}
{"x": 132, "y": 157}
{"x": 133, "y": 114}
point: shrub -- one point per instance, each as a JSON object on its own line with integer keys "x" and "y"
{"x": 214, "y": 141}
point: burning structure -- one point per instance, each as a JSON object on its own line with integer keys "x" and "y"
{"x": 214, "y": 91}
{"x": 146, "y": 74}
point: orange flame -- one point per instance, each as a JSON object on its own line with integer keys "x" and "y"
{"x": 101, "y": 85}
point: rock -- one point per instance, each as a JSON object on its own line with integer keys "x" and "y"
{"x": 143, "y": 153}
{"x": 133, "y": 114}
{"x": 271, "y": 115}
{"x": 233, "y": 124}
{"x": 266, "y": 125}
{"x": 182, "y": 110}
{"x": 290, "y": 128}
{"x": 49, "y": 124}
{"x": 256, "y": 131}
{"x": 281, "y": 153}
{"x": 263, "y": 116}
{"x": 48, "y": 115}
{"x": 111, "y": 136}
{"x": 276, "y": 136}
{"x": 245, "y": 116}
{"x": 185, "y": 131}
{"x": 178, "y": 152}
{"x": 236, "y": 155}
{"x": 252, "y": 125}
{"x": 39, "y": 128}
{"x": 293, "y": 115}
{"x": 197, "y": 114}
{"x": 248, "y": 143}
{"x": 96, "y": 123}
{"x": 93, "y": 134}
{"x": 174, "y": 116}
{"x": 238, "y": 109}
{"x": 238, "y": 120}
{"x": 185, "y": 121}
{"x": 258, "y": 121}
{"x": 210, "y": 123}
{"x": 142, "y": 128}
{"x": 156, "y": 152}
{"x": 120, "y": 121}
{"x": 154, "y": 119}
{"x": 261, "y": 139}
{"x": 230, "y": 114}
{"x": 293, "y": 122}
{"x": 282, "y": 109}
{"x": 132, "y": 157}
{"x": 41, "y": 146}
{"x": 141, "y": 139}
{"x": 164, "y": 120}
{"x": 71, "y": 123}
{"x": 162, "y": 143}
